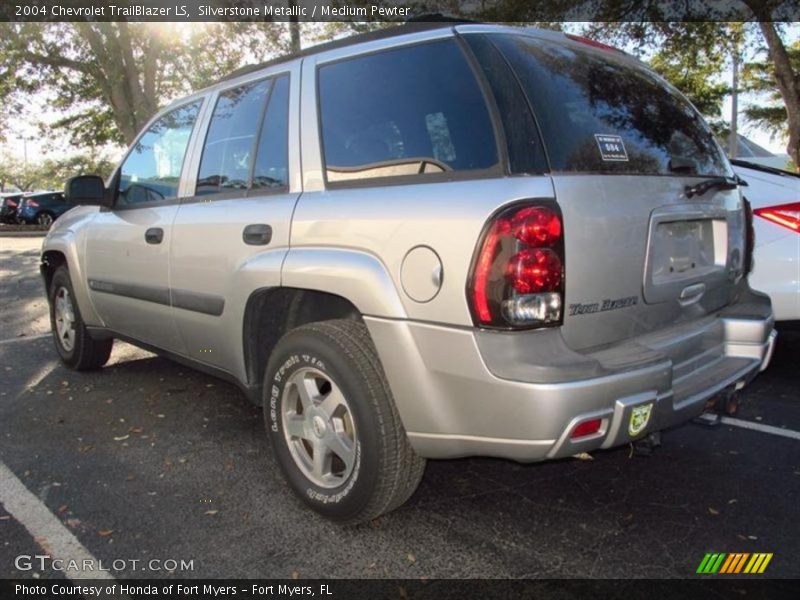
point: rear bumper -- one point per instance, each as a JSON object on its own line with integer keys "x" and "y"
{"x": 462, "y": 392}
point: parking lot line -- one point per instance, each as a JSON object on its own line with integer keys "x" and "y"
{"x": 795, "y": 435}
{"x": 57, "y": 541}
{"x": 25, "y": 338}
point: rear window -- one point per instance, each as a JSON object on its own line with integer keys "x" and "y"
{"x": 415, "y": 111}
{"x": 598, "y": 113}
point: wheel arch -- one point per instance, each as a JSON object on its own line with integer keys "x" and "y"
{"x": 60, "y": 249}
{"x": 272, "y": 312}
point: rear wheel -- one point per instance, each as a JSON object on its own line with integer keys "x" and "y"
{"x": 45, "y": 219}
{"x": 333, "y": 425}
{"x": 77, "y": 349}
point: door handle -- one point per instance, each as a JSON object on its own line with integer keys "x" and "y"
{"x": 154, "y": 235}
{"x": 257, "y": 234}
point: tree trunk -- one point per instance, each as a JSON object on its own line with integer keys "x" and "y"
{"x": 118, "y": 76}
{"x": 294, "y": 28}
{"x": 788, "y": 85}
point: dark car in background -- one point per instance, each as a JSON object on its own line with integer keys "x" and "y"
{"x": 8, "y": 208}
{"x": 42, "y": 208}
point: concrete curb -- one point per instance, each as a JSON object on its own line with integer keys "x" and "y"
{"x": 22, "y": 234}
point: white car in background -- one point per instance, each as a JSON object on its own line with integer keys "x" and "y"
{"x": 774, "y": 195}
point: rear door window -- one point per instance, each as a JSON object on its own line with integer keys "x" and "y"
{"x": 599, "y": 112}
{"x": 271, "y": 171}
{"x": 230, "y": 141}
{"x": 415, "y": 111}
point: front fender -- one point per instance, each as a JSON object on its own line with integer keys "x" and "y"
{"x": 358, "y": 276}
{"x": 65, "y": 237}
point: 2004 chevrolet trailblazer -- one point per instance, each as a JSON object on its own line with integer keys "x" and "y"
{"x": 429, "y": 242}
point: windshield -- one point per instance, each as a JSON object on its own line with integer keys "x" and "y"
{"x": 600, "y": 113}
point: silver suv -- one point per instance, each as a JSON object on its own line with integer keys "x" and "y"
{"x": 434, "y": 241}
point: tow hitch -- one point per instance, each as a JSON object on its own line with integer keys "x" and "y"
{"x": 647, "y": 445}
{"x": 726, "y": 403}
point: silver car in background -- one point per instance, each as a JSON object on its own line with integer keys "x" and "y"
{"x": 433, "y": 241}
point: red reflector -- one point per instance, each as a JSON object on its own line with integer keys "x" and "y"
{"x": 586, "y": 428}
{"x": 785, "y": 215}
{"x": 533, "y": 271}
{"x": 537, "y": 226}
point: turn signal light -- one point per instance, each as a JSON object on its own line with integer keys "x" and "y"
{"x": 518, "y": 272}
{"x": 586, "y": 428}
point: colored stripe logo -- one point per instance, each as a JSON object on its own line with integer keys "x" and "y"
{"x": 734, "y": 563}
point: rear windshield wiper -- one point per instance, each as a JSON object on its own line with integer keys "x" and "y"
{"x": 718, "y": 183}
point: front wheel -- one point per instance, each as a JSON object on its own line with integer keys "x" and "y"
{"x": 77, "y": 349}
{"x": 333, "y": 425}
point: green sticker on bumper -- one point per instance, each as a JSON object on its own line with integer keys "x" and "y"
{"x": 640, "y": 417}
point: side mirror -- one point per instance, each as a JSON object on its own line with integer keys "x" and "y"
{"x": 86, "y": 190}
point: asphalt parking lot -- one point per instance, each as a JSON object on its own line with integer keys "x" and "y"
{"x": 147, "y": 459}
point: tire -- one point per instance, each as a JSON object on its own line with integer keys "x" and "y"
{"x": 44, "y": 218}
{"x": 348, "y": 406}
{"x": 76, "y": 348}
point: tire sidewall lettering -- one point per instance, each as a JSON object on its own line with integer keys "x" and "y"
{"x": 292, "y": 363}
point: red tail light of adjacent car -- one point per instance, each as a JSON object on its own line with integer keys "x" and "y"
{"x": 785, "y": 215}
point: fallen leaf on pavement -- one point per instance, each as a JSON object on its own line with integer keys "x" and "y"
{"x": 122, "y": 437}
{"x": 211, "y": 512}
{"x": 105, "y": 532}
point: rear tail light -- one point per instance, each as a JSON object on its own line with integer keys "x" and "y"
{"x": 11, "y": 204}
{"x": 785, "y": 215}
{"x": 518, "y": 273}
{"x": 32, "y": 203}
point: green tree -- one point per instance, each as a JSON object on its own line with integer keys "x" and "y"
{"x": 759, "y": 78}
{"x": 110, "y": 78}
{"x": 695, "y": 74}
{"x": 51, "y": 174}
{"x": 16, "y": 173}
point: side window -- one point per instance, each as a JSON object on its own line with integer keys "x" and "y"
{"x": 271, "y": 170}
{"x": 228, "y": 150}
{"x": 152, "y": 170}
{"x": 416, "y": 110}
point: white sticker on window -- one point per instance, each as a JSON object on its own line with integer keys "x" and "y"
{"x": 611, "y": 147}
